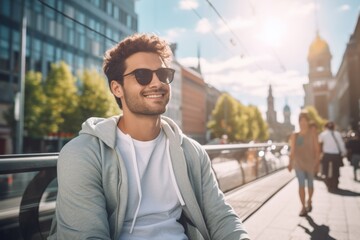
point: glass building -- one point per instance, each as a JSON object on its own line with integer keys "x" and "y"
{"x": 75, "y": 31}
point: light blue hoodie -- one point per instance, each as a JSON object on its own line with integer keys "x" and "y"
{"x": 93, "y": 187}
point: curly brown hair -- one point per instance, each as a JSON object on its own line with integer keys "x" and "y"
{"x": 114, "y": 58}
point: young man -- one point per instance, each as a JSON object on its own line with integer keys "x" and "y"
{"x": 136, "y": 176}
{"x": 333, "y": 148}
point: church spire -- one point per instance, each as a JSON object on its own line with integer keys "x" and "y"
{"x": 198, "y": 55}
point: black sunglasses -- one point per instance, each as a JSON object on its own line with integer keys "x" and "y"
{"x": 144, "y": 76}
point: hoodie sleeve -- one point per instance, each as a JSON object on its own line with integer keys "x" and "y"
{"x": 221, "y": 220}
{"x": 80, "y": 208}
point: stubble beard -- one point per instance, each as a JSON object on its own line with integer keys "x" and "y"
{"x": 137, "y": 107}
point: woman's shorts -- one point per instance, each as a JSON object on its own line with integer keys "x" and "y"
{"x": 302, "y": 176}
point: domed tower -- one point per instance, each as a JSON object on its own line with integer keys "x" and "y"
{"x": 319, "y": 60}
{"x": 287, "y": 114}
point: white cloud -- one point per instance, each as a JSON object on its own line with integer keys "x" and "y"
{"x": 203, "y": 26}
{"x": 234, "y": 24}
{"x": 173, "y": 34}
{"x": 188, "y": 4}
{"x": 234, "y": 74}
{"x": 344, "y": 8}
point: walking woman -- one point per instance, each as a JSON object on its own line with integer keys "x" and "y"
{"x": 304, "y": 158}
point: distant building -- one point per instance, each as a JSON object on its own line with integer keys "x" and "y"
{"x": 321, "y": 80}
{"x": 51, "y": 37}
{"x": 194, "y": 105}
{"x": 279, "y": 132}
{"x": 345, "y": 96}
{"x": 174, "y": 107}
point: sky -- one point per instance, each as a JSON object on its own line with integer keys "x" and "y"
{"x": 246, "y": 45}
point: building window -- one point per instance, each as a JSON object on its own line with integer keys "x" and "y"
{"x": 51, "y": 28}
{"x": 5, "y": 86}
{"x": 36, "y": 53}
{"x": 4, "y": 48}
{"x": 39, "y": 22}
{"x": 16, "y": 50}
{"x": 69, "y": 10}
{"x": 69, "y": 58}
{"x": 123, "y": 17}
{"x": 5, "y": 8}
{"x": 109, "y": 8}
{"x": 80, "y": 17}
{"x": 59, "y": 30}
{"x": 16, "y": 11}
{"x": 58, "y": 56}
{"x": 116, "y": 12}
{"x": 133, "y": 24}
{"x": 81, "y": 41}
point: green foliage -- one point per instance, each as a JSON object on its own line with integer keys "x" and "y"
{"x": 62, "y": 99}
{"x": 35, "y": 102}
{"x": 238, "y": 122}
{"x": 316, "y": 118}
{"x": 60, "y": 104}
{"x": 95, "y": 97}
{"x": 258, "y": 129}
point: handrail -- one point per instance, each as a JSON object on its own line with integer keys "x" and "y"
{"x": 17, "y": 163}
{"x": 45, "y": 165}
{"x": 237, "y": 146}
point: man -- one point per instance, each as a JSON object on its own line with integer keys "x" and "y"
{"x": 136, "y": 176}
{"x": 353, "y": 148}
{"x": 333, "y": 148}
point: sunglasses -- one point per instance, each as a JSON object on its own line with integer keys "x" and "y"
{"x": 144, "y": 76}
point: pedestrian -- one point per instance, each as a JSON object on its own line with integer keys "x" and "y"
{"x": 333, "y": 150}
{"x": 137, "y": 176}
{"x": 353, "y": 151}
{"x": 304, "y": 158}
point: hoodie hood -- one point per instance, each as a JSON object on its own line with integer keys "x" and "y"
{"x": 105, "y": 129}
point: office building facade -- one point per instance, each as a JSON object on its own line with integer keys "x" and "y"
{"x": 77, "y": 32}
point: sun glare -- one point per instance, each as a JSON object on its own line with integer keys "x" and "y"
{"x": 272, "y": 32}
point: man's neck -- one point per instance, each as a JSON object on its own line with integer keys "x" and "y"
{"x": 144, "y": 128}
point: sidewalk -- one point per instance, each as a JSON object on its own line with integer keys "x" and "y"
{"x": 334, "y": 215}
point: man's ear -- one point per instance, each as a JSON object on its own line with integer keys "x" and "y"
{"x": 116, "y": 88}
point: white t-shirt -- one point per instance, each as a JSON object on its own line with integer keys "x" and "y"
{"x": 154, "y": 200}
{"x": 329, "y": 144}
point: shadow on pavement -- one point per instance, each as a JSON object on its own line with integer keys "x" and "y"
{"x": 318, "y": 232}
{"x": 345, "y": 192}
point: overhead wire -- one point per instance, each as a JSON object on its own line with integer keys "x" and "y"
{"x": 282, "y": 66}
{"x": 213, "y": 32}
{"x": 227, "y": 25}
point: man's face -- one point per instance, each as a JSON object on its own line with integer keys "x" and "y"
{"x": 144, "y": 100}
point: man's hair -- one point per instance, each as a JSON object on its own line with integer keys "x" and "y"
{"x": 114, "y": 58}
{"x": 330, "y": 125}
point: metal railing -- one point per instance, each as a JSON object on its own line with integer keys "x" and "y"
{"x": 28, "y": 184}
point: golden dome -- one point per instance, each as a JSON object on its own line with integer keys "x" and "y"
{"x": 319, "y": 47}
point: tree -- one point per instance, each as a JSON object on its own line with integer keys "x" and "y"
{"x": 238, "y": 122}
{"x": 95, "y": 97}
{"x": 34, "y": 105}
{"x": 62, "y": 100}
{"x": 224, "y": 117}
{"x": 257, "y": 125}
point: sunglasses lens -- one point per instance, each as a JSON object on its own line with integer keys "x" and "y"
{"x": 165, "y": 75}
{"x": 143, "y": 76}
